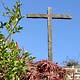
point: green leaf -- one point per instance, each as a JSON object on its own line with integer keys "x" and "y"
{"x": 20, "y": 28}
{"x": 1, "y": 25}
{"x": 1, "y": 36}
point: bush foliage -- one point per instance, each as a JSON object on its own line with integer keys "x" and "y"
{"x": 12, "y": 58}
{"x": 44, "y": 70}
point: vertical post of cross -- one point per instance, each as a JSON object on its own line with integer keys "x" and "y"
{"x": 49, "y": 34}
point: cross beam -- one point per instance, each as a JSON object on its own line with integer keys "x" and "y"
{"x": 54, "y": 16}
{"x": 49, "y": 16}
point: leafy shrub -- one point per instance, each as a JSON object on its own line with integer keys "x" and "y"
{"x": 13, "y": 60}
{"x": 44, "y": 70}
{"x": 71, "y": 62}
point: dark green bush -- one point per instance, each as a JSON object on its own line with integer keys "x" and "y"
{"x": 13, "y": 60}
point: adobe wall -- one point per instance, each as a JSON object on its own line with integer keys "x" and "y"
{"x": 74, "y": 72}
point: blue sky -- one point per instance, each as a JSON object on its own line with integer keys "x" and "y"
{"x": 66, "y": 33}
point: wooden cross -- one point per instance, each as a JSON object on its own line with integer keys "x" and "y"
{"x": 49, "y": 16}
